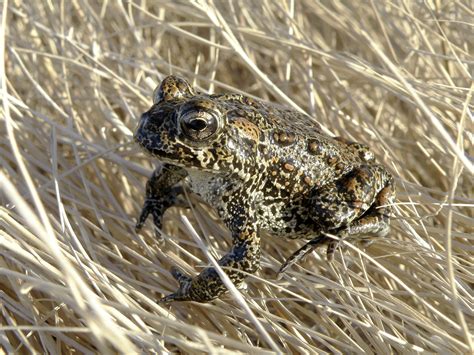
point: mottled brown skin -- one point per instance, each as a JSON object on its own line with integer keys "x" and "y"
{"x": 264, "y": 168}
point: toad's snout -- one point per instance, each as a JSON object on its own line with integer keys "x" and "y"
{"x": 156, "y": 134}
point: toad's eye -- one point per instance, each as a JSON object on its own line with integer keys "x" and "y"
{"x": 199, "y": 125}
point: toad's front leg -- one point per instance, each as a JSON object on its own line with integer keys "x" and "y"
{"x": 243, "y": 258}
{"x": 161, "y": 193}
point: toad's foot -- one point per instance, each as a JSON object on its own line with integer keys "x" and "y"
{"x": 184, "y": 284}
{"x": 153, "y": 207}
{"x": 306, "y": 249}
{"x": 161, "y": 194}
{"x": 242, "y": 259}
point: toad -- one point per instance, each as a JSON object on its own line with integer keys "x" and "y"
{"x": 264, "y": 168}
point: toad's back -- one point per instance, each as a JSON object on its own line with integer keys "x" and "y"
{"x": 292, "y": 150}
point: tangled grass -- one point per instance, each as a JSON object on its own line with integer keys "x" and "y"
{"x": 75, "y": 277}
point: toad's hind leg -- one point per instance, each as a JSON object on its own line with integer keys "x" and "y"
{"x": 347, "y": 199}
{"x": 374, "y": 222}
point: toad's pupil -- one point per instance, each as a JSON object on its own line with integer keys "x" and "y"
{"x": 197, "y": 124}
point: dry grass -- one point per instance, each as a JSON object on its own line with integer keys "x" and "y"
{"x": 74, "y": 275}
